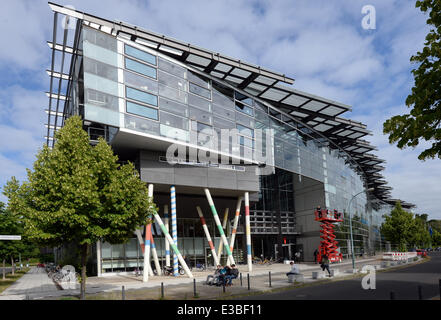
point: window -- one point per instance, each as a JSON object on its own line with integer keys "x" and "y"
{"x": 141, "y": 110}
{"x": 141, "y": 96}
{"x": 197, "y": 126}
{"x": 172, "y": 81}
{"x": 140, "y": 68}
{"x": 244, "y": 109}
{"x": 174, "y": 121}
{"x": 141, "y": 55}
{"x": 100, "y": 69}
{"x": 244, "y": 119}
{"x": 199, "y": 102}
{"x": 101, "y": 99}
{"x": 243, "y": 98}
{"x": 199, "y": 80}
{"x": 245, "y": 131}
{"x": 172, "y": 68}
{"x": 170, "y": 93}
{"x": 200, "y": 91}
{"x": 199, "y": 115}
{"x": 245, "y": 141}
{"x": 173, "y": 107}
{"x": 226, "y": 113}
{"x": 140, "y": 82}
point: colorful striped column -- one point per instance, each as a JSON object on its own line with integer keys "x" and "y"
{"x": 148, "y": 234}
{"x": 224, "y": 225}
{"x": 207, "y": 234}
{"x": 236, "y": 222}
{"x": 155, "y": 257}
{"x": 248, "y": 231}
{"x": 218, "y": 224}
{"x": 172, "y": 244}
{"x": 174, "y": 229}
{"x": 142, "y": 246}
{"x": 167, "y": 245}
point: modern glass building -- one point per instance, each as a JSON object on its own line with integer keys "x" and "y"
{"x": 147, "y": 94}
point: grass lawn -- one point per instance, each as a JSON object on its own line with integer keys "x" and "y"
{"x": 10, "y": 279}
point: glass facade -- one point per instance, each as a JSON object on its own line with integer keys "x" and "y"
{"x": 140, "y": 90}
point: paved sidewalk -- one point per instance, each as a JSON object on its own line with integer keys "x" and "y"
{"x": 34, "y": 282}
{"x": 182, "y": 286}
{"x": 37, "y": 285}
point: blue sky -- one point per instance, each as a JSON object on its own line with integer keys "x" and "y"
{"x": 319, "y": 43}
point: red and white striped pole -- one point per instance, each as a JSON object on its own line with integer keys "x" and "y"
{"x": 207, "y": 234}
{"x": 248, "y": 231}
{"x": 148, "y": 235}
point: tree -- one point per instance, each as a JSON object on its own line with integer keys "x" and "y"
{"x": 9, "y": 249}
{"x": 398, "y": 227}
{"x": 436, "y": 238}
{"x": 79, "y": 194}
{"x": 421, "y": 235}
{"x": 424, "y": 120}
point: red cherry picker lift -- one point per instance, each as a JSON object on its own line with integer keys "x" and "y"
{"x": 328, "y": 244}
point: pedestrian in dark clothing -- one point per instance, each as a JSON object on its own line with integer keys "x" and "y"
{"x": 232, "y": 273}
{"x": 315, "y": 255}
{"x": 325, "y": 264}
{"x": 223, "y": 275}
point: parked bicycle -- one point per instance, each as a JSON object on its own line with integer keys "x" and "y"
{"x": 200, "y": 267}
{"x": 168, "y": 271}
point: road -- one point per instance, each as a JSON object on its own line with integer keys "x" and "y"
{"x": 403, "y": 282}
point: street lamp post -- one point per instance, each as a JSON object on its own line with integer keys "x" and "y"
{"x": 350, "y": 224}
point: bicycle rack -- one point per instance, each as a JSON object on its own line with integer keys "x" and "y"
{"x": 328, "y": 245}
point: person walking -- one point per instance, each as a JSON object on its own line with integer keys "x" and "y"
{"x": 315, "y": 255}
{"x": 325, "y": 264}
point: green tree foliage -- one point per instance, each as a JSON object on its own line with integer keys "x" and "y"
{"x": 9, "y": 225}
{"x": 421, "y": 235}
{"x": 398, "y": 227}
{"x": 436, "y": 238}
{"x": 424, "y": 120}
{"x": 77, "y": 193}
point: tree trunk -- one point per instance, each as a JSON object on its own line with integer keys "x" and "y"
{"x": 12, "y": 265}
{"x": 4, "y": 269}
{"x": 84, "y": 249}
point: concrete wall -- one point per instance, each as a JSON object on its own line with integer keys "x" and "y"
{"x": 156, "y": 172}
{"x": 308, "y": 194}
